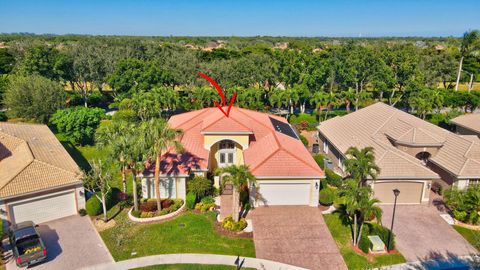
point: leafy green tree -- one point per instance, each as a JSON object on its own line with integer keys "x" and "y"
{"x": 134, "y": 75}
{"x": 240, "y": 177}
{"x": 425, "y": 101}
{"x": 34, "y": 98}
{"x": 40, "y": 60}
{"x": 7, "y": 61}
{"x": 78, "y": 124}
{"x": 360, "y": 165}
{"x": 470, "y": 43}
{"x": 98, "y": 180}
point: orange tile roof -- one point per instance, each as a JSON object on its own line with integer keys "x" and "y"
{"x": 269, "y": 154}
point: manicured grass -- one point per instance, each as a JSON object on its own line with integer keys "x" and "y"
{"x": 190, "y": 267}
{"x": 196, "y": 236}
{"x": 342, "y": 235}
{"x": 473, "y": 237}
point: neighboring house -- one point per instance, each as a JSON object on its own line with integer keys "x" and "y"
{"x": 39, "y": 181}
{"x": 410, "y": 152}
{"x": 286, "y": 172}
{"x": 468, "y": 124}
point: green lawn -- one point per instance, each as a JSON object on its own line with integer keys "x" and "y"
{"x": 196, "y": 236}
{"x": 190, "y": 267}
{"x": 473, "y": 237}
{"x": 341, "y": 234}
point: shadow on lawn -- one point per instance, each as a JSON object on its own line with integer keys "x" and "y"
{"x": 76, "y": 155}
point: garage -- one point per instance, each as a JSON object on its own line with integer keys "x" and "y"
{"x": 410, "y": 192}
{"x": 45, "y": 208}
{"x": 283, "y": 194}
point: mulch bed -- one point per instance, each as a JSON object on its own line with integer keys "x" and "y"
{"x": 371, "y": 255}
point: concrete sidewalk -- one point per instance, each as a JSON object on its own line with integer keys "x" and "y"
{"x": 194, "y": 259}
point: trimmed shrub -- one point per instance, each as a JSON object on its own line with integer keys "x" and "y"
{"x": 93, "y": 206}
{"x": 326, "y": 196}
{"x": 200, "y": 186}
{"x": 304, "y": 140}
{"x": 382, "y": 232}
{"x": 303, "y": 117}
{"x": 82, "y": 212}
{"x": 319, "y": 158}
{"x": 229, "y": 224}
{"x": 208, "y": 199}
{"x": 166, "y": 203}
{"x": 364, "y": 243}
{"x": 190, "y": 200}
{"x": 3, "y": 117}
{"x": 148, "y": 206}
{"x": 333, "y": 179}
{"x": 437, "y": 188}
{"x": 204, "y": 207}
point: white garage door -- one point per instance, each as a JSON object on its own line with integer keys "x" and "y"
{"x": 284, "y": 194}
{"x": 44, "y": 209}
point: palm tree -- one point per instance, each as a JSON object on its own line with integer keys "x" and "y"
{"x": 326, "y": 100}
{"x": 470, "y": 42}
{"x": 348, "y": 97}
{"x": 367, "y": 208}
{"x": 361, "y": 164}
{"x": 159, "y": 139}
{"x": 240, "y": 177}
{"x": 110, "y": 137}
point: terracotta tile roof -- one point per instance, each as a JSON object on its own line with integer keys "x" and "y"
{"x": 32, "y": 159}
{"x": 468, "y": 121}
{"x": 269, "y": 153}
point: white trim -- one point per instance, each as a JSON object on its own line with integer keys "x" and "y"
{"x": 70, "y": 185}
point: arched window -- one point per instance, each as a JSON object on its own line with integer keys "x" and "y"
{"x": 226, "y": 153}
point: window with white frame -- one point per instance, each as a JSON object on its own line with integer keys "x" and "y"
{"x": 325, "y": 147}
{"x": 226, "y": 153}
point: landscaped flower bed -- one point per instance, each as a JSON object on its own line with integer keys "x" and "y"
{"x": 148, "y": 208}
{"x": 229, "y": 224}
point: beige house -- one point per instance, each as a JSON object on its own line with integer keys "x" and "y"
{"x": 39, "y": 181}
{"x": 411, "y": 153}
{"x": 468, "y": 124}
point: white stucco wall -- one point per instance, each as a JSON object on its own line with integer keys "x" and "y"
{"x": 170, "y": 187}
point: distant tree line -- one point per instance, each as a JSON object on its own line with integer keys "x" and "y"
{"x": 159, "y": 74}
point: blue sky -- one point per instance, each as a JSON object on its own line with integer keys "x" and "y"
{"x": 242, "y": 18}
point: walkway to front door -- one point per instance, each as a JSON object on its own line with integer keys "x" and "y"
{"x": 295, "y": 235}
{"x": 226, "y": 201}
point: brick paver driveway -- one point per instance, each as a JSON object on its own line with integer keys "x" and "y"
{"x": 72, "y": 243}
{"x": 422, "y": 234}
{"x": 295, "y": 235}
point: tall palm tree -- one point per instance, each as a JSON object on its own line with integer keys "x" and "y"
{"x": 360, "y": 164}
{"x": 367, "y": 208}
{"x": 470, "y": 43}
{"x": 109, "y": 137}
{"x": 159, "y": 139}
{"x": 348, "y": 97}
{"x": 326, "y": 100}
{"x": 240, "y": 177}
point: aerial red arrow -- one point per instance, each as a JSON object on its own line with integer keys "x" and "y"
{"x": 222, "y": 95}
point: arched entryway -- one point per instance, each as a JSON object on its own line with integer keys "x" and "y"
{"x": 423, "y": 156}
